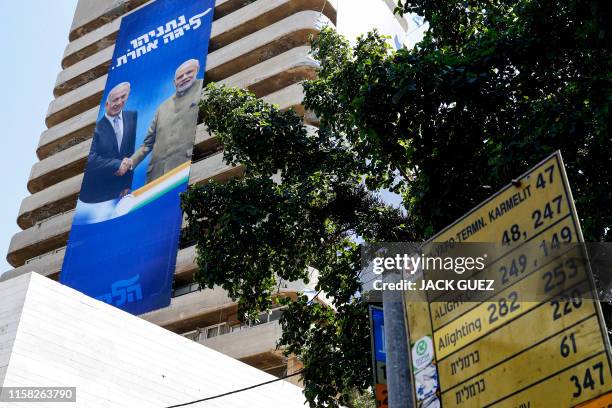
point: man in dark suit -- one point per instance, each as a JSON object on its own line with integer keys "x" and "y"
{"x": 109, "y": 174}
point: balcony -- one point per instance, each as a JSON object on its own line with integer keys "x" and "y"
{"x": 49, "y": 264}
{"x": 52, "y": 233}
{"x": 270, "y": 41}
{"x": 62, "y": 196}
{"x": 246, "y": 342}
{"x": 239, "y": 24}
{"x": 254, "y": 344}
{"x": 196, "y": 309}
{"x": 66, "y": 134}
{"x": 264, "y": 79}
{"x": 210, "y": 307}
{"x": 264, "y": 14}
{"x": 80, "y": 127}
{"x": 92, "y": 14}
{"x": 48, "y": 228}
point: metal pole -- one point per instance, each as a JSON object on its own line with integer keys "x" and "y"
{"x": 399, "y": 385}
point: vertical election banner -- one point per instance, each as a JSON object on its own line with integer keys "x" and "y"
{"x": 125, "y": 232}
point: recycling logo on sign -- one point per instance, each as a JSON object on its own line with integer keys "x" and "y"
{"x": 422, "y": 353}
{"x": 421, "y": 347}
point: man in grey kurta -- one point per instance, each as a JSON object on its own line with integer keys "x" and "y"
{"x": 172, "y": 131}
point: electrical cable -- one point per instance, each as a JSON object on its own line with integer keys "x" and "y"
{"x": 235, "y": 391}
{"x": 322, "y": 8}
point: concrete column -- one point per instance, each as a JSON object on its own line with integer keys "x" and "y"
{"x": 398, "y": 375}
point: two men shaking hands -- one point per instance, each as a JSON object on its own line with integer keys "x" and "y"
{"x": 113, "y": 157}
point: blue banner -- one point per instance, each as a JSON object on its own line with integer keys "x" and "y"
{"x": 126, "y": 228}
{"x": 378, "y": 330}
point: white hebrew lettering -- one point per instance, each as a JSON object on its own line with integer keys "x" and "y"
{"x": 122, "y": 60}
{"x": 179, "y": 32}
{"x": 171, "y": 26}
{"x": 140, "y": 51}
{"x": 168, "y": 37}
{"x": 195, "y": 21}
{"x": 143, "y": 39}
{"x": 152, "y": 45}
{"x": 169, "y": 31}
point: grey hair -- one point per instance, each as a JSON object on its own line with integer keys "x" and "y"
{"x": 122, "y": 84}
{"x": 188, "y": 62}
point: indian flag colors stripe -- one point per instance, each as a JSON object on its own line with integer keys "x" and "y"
{"x": 161, "y": 185}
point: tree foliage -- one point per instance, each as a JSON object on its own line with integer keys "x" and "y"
{"x": 254, "y": 233}
{"x": 492, "y": 88}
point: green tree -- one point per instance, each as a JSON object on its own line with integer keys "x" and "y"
{"x": 252, "y": 233}
{"x": 492, "y": 88}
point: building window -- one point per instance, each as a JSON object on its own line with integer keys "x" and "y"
{"x": 211, "y": 332}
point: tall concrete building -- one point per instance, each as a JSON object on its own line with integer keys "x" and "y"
{"x": 261, "y": 45}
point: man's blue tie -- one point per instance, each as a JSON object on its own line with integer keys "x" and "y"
{"x": 118, "y": 132}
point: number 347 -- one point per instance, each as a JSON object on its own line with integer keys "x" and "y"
{"x": 589, "y": 379}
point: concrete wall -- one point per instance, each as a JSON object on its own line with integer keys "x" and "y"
{"x": 12, "y": 298}
{"x": 88, "y": 9}
{"x": 248, "y": 342}
{"x": 61, "y": 337}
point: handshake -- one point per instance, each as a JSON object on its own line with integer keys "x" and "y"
{"x": 126, "y": 164}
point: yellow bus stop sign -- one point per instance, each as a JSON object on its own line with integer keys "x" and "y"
{"x": 504, "y": 351}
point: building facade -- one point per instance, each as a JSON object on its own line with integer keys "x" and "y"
{"x": 261, "y": 45}
{"x": 54, "y": 337}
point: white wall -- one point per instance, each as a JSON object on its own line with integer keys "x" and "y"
{"x": 12, "y": 298}
{"x": 356, "y": 17}
{"x": 65, "y": 338}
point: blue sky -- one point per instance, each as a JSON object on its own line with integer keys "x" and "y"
{"x": 33, "y": 36}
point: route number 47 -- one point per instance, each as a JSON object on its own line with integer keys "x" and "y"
{"x": 545, "y": 177}
{"x": 589, "y": 379}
